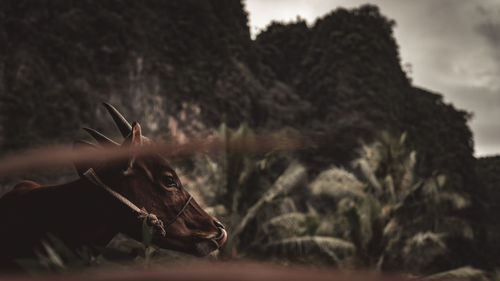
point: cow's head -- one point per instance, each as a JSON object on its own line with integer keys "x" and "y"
{"x": 149, "y": 182}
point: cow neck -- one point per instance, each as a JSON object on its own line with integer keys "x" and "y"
{"x": 141, "y": 213}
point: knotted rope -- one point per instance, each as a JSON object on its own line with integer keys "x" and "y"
{"x": 152, "y": 220}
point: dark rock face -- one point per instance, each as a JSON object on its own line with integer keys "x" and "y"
{"x": 60, "y": 58}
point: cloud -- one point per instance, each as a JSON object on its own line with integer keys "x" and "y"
{"x": 491, "y": 31}
{"x": 490, "y": 27}
{"x": 262, "y": 12}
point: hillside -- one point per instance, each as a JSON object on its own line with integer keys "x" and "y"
{"x": 341, "y": 76}
{"x": 61, "y": 58}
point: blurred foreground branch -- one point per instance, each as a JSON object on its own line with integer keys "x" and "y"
{"x": 217, "y": 271}
{"x": 65, "y": 154}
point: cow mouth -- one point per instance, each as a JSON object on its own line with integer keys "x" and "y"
{"x": 211, "y": 243}
{"x": 197, "y": 245}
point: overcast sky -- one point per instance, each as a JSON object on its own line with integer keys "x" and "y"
{"x": 452, "y": 45}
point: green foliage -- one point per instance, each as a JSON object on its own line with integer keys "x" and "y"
{"x": 488, "y": 170}
{"x": 55, "y": 256}
{"x": 390, "y": 216}
{"x": 391, "y": 219}
{"x": 286, "y": 225}
{"x": 147, "y": 234}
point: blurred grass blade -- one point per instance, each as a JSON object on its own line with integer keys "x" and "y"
{"x": 147, "y": 234}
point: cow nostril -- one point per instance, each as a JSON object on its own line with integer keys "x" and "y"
{"x": 218, "y": 224}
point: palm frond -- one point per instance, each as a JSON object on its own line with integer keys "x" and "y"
{"x": 293, "y": 175}
{"x": 286, "y": 225}
{"x": 422, "y": 250}
{"x": 390, "y": 188}
{"x": 466, "y": 273}
{"x": 368, "y": 174}
{"x": 337, "y": 183}
{"x": 454, "y": 200}
{"x": 334, "y": 225}
{"x": 408, "y": 176}
{"x": 369, "y": 215}
{"x": 455, "y": 226}
{"x": 286, "y": 205}
{"x": 433, "y": 185}
{"x": 391, "y": 228}
{"x": 333, "y": 249}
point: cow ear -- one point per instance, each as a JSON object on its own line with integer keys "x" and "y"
{"x": 135, "y": 136}
{"x": 82, "y": 166}
{"x": 133, "y": 139}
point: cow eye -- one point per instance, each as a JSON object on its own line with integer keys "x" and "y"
{"x": 168, "y": 181}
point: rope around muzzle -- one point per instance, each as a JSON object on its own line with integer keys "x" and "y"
{"x": 142, "y": 213}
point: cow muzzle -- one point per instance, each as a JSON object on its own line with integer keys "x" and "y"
{"x": 213, "y": 241}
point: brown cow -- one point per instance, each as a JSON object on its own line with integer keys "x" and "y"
{"x": 109, "y": 198}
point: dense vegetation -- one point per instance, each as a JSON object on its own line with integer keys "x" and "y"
{"x": 394, "y": 185}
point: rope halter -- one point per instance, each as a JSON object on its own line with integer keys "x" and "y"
{"x": 141, "y": 213}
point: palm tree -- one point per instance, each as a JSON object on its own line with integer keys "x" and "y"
{"x": 377, "y": 213}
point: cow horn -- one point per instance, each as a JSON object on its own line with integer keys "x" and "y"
{"x": 120, "y": 121}
{"x": 100, "y": 138}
